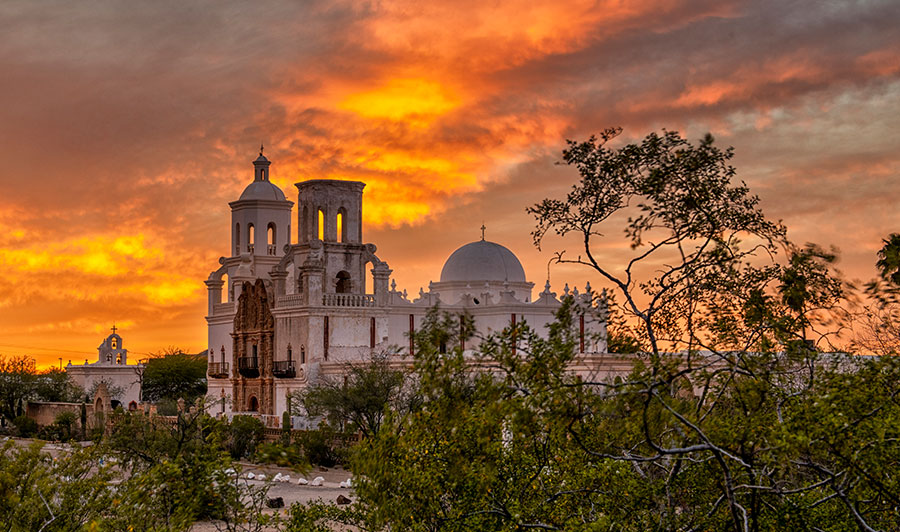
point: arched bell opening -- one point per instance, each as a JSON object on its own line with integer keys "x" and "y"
{"x": 343, "y": 284}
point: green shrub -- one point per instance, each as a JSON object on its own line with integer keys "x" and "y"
{"x": 245, "y": 433}
{"x": 25, "y": 426}
{"x": 282, "y": 455}
{"x": 319, "y": 446}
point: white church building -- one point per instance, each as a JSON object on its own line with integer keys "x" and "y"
{"x": 112, "y": 368}
{"x": 283, "y": 314}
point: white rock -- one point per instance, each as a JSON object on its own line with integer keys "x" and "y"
{"x": 277, "y": 477}
{"x": 286, "y": 478}
{"x": 230, "y": 471}
{"x": 260, "y": 477}
{"x": 318, "y": 481}
{"x": 251, "y": 476}
{"x": 302, "y": 481}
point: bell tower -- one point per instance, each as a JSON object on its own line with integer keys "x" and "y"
{"x": 261, "y": 218}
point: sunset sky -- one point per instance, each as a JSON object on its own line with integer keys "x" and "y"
{"x": 127, "y": 127}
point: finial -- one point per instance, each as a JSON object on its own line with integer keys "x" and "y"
{"x": 260, "y": 149}
{"x": 114, "y": 328}
{"x": 482, "y": 230}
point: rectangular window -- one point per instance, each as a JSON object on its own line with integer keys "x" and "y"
{"x": 372, "y": 332}
{"x": 462, "y": 335}
{"x": 326, "y": 337}
{"x": 512, "y": 324}
{"x": 412, "y": 334}
{"x": 581, "y": 332}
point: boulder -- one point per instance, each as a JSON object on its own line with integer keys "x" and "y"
{"x": 275, "y": 502}
{"x": 318, "y": 481}
{"x": 343, "y": 500}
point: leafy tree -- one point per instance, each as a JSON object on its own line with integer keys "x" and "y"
{"x": 174, "y": 375}
{"x": 889, "y": 260}
{"x": 54, "y": 385}
{"x": 176, "y": 474}
{"x": 38, "y": 492}
{"x": 732, "y": 418}
{"x": 21, "y": 382}
{"x": 17, "y": 377}
{"x": 115, "y": 391}
{"x": 360, "y": 397}
{"x": 877, "y": 328}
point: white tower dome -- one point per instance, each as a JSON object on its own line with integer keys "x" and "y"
{"x": 481, "y": 261}
{"x": 480, "y": 268}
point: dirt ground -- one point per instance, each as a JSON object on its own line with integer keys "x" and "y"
{"x": 292, "y": 492}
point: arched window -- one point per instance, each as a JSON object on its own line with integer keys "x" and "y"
{"x": 114, "y": 343}
{"x": 321, "y": 224}
{"x": 342, "y": 283}
{"x": 237, "y": 239}
{"x": 302, "y": 354}
{"x": 226, "y": 293}
{"x": 251, "y": 237}
{"x": 290, "y": 353}
{"x": 341, "y": 231}
{"x": 270, "y": 237}
{"x": 253, "y": 404}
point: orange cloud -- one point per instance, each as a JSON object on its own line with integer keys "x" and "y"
{"x": 416, "y": 101}
{"x": 119, "y": 161}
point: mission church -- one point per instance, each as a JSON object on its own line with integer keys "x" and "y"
{"x": 284, "y": 314}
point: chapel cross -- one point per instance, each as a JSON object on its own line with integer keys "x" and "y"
{"x": 482, "y": 231}
{"x": 114, "y": 329}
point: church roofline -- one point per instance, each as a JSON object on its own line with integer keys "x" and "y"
{"x": 250, "y": 203}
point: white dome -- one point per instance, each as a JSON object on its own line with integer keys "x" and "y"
{"x": 483, "y": 261}
{"x": 262, "y": 190}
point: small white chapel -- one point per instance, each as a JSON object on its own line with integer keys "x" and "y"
{"x": 112, "y": 368}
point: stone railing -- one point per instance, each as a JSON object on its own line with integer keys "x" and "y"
{"x": 272, "y": 250}
{"x": 290, "y": 300}
{"x": 348, "y": 300}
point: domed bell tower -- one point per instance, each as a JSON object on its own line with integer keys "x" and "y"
{"x": 261, "y": 217}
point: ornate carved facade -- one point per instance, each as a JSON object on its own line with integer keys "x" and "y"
{"x": 253, "y": 339}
